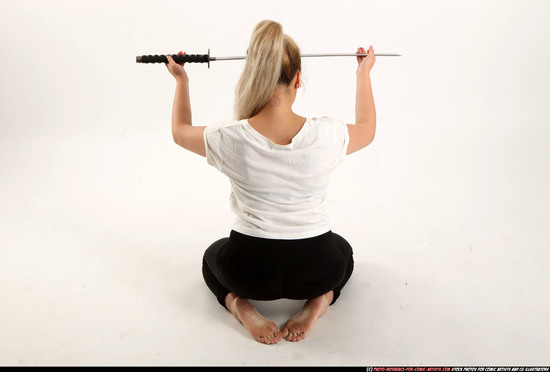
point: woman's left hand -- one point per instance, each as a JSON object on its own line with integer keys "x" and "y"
{"x": 176, "y": 69}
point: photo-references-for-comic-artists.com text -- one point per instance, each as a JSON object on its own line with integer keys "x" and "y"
{"x": 458, "y": 369}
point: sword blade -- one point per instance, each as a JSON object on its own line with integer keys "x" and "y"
{"x": 351, "y": 55}
{"x": 232, "y": 58}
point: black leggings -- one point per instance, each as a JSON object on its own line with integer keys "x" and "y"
{"x": 270, "y": 269}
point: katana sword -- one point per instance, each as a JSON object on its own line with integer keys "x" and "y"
{"x": 206, "y": 58}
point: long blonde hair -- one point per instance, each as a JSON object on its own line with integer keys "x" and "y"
{"x": 273, "y": 58}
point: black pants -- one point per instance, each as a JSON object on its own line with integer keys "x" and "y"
{"x": 270, "y": 269}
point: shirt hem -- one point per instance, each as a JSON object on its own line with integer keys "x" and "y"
{"x": 281, "y": 236}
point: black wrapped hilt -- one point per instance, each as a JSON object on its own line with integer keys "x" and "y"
{"x": 178, "y": 58}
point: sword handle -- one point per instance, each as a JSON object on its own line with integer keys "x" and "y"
{"x": 178, "y": 58}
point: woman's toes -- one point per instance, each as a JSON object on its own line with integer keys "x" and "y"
{"x": 296, "y": 336}
{"x": 270, "y": 339}
{"x": 291, "y": 336}
{"x": 284, "y": 332}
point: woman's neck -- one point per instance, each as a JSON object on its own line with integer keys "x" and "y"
{"x": 279, "y": 103}
{"x": 276, "y": 120}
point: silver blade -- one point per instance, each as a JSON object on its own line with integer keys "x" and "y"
{"x": 314, "y": 55}
{"x": 351, "y": 55}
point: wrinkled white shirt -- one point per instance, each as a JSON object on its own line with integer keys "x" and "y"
{"x": 278, "y": 191}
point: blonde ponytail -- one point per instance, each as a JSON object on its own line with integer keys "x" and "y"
{"x": 273, "y": 58}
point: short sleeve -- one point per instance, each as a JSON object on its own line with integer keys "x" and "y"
{"x": 337, "y": 137}
{"x": 345, "y": 140}
{"x": 212, "y": 144}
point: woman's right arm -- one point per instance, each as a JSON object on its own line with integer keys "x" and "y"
{"x": 185, "y": 134}
{"x": 361, "y": 134}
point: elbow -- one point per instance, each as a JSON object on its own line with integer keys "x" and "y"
{"x": 177, "y": 139}
{"x": 179, "y": 133}
{"x": 368, "y": 130}
{"x": 373, "y": 133}
{"x": 370, "y": 139}
{"x": 372, "y": 130}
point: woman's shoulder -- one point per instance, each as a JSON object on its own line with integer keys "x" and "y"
{"x": 226, "y": 124}
{"x": 329, "y": 128}
{"x": 325, "y": 120}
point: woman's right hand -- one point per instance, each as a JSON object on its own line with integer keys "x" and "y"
{"x": 176, "y": 69}
{"x": 365, "y": 64}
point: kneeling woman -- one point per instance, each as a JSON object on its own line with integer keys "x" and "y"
{"x": 279, "y": 165}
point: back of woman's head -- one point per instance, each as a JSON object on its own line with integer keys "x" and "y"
{"x": 273, "y": 58}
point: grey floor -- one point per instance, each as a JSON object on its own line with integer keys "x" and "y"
{"x": 101, "y": 262}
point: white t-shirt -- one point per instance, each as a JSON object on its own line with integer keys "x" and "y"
{"x": 278, "y": 191}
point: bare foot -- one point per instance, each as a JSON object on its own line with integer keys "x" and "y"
{"x": 298, "y": 327}
{"x": 262, "y": 329}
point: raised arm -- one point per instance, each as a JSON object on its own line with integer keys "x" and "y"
{"x": 361, "y": 134}
{"x": 184, "y": 133}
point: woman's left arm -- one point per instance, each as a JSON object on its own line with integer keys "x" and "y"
{"x": 183, "y": 131}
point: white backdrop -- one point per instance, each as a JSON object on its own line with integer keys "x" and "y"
{"x": 454, "y": 187}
